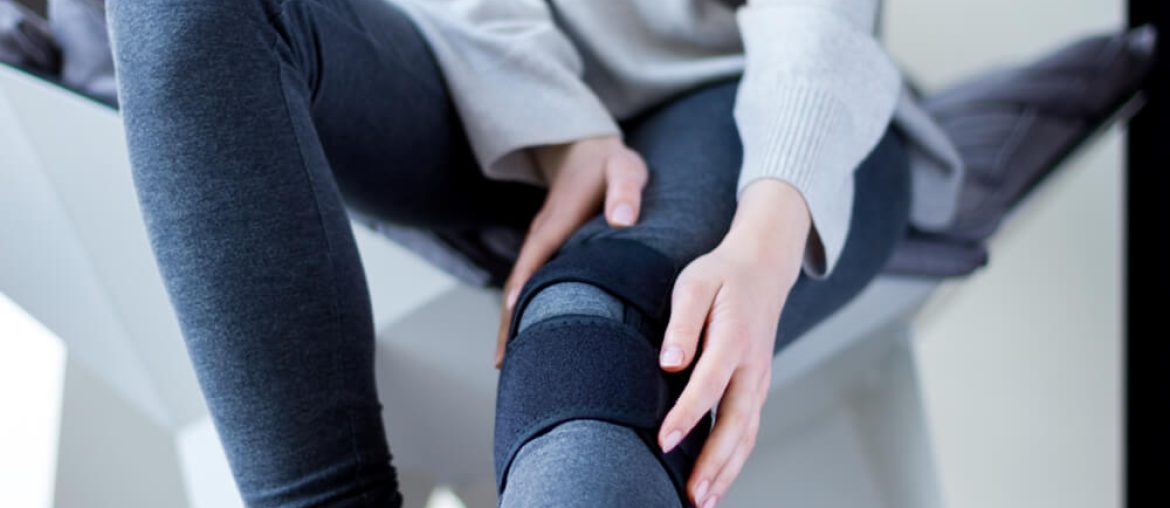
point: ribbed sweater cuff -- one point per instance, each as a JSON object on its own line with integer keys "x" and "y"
{"x": 792, "y": 140}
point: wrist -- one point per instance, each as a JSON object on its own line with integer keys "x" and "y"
{"x": 771, "y": 222}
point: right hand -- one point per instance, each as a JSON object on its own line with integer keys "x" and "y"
{"x": 582, "y": 175}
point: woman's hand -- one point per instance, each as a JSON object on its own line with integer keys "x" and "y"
{"x": 581, "y": 175}
{"x": 733, "y": 296}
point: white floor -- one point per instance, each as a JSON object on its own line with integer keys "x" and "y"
{"x": 1021, "y": 362}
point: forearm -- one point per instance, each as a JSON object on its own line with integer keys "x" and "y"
{"x": 817, "y": 93}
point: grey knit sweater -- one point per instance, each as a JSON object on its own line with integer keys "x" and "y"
{"x": 816, "y": 94}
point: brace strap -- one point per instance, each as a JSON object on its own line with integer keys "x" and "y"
{"x": 584, "y": 366}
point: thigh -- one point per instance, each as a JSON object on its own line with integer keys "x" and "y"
{"x": 692, "y": 150}
{"x": 387, "y": 123}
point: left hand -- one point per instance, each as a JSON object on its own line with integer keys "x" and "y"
{"x": 734, "y": 294}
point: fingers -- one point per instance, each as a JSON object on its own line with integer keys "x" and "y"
{"x": 691, "y": 299}
{"x": 625, "y": 176}
{"x": 729, "y": 473}
{"x": 707, "y": 384}
{"x": 540, "y": 245}
{"x": 502, "y": 333}
{"x": 733, "y": 437}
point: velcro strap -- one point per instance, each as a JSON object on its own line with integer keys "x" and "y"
{"x": 579, "y": 366}
{"x": 639, "y": 275}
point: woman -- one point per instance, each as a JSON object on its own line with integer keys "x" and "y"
{"x": 253, "y": 125}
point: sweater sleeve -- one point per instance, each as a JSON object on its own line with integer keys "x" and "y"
{"x": 515, "y": 79}
{"x": 817, "y": 94}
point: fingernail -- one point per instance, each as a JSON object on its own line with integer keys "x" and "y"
{"x": 623, "y": 214}
{"x": 672, "y": 356}
{"x": 710, "y": 502}
{"x": 671, "y": 439}
{"x": 702, "y": 491}
{"x": 512, "y": 295}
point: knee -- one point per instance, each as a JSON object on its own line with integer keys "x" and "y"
{"x": 611, "y": 275}
{"x": 570, "y": 297}
{"x": 584, "y": 344}
{"x": 576, "y": 357}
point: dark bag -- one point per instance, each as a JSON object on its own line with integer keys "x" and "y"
{"x": 1013, "y": 127}
{"x": 87, "y": 63}
{"x": 25, "y": 40}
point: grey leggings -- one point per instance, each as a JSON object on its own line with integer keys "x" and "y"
{"x": 253, "y": 125}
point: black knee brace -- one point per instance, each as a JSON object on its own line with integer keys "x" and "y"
{"x": 584, "y": 366}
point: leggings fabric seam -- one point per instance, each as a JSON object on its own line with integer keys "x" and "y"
{"x": 441, "y": 89}
{"x": 330, "y": 265}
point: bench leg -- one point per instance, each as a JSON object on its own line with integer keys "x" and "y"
{"x": 892, "y": 427}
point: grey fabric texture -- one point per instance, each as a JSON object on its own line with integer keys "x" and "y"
{"x": 571, "y": 298}
{"x": 551, "y": 470}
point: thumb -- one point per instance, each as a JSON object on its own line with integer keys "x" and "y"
{"x": 691, "y": 300}
{"x": 625, "y": 177}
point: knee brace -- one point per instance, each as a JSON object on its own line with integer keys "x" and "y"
{"x": 565, "y": 365}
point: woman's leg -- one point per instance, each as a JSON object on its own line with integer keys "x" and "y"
{"x": 247, "y": 121}
{"x": 585, "y": 462}
{"x": 693, "y": 151}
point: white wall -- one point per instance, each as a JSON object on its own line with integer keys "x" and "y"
{"x": 1021, "y": 363}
